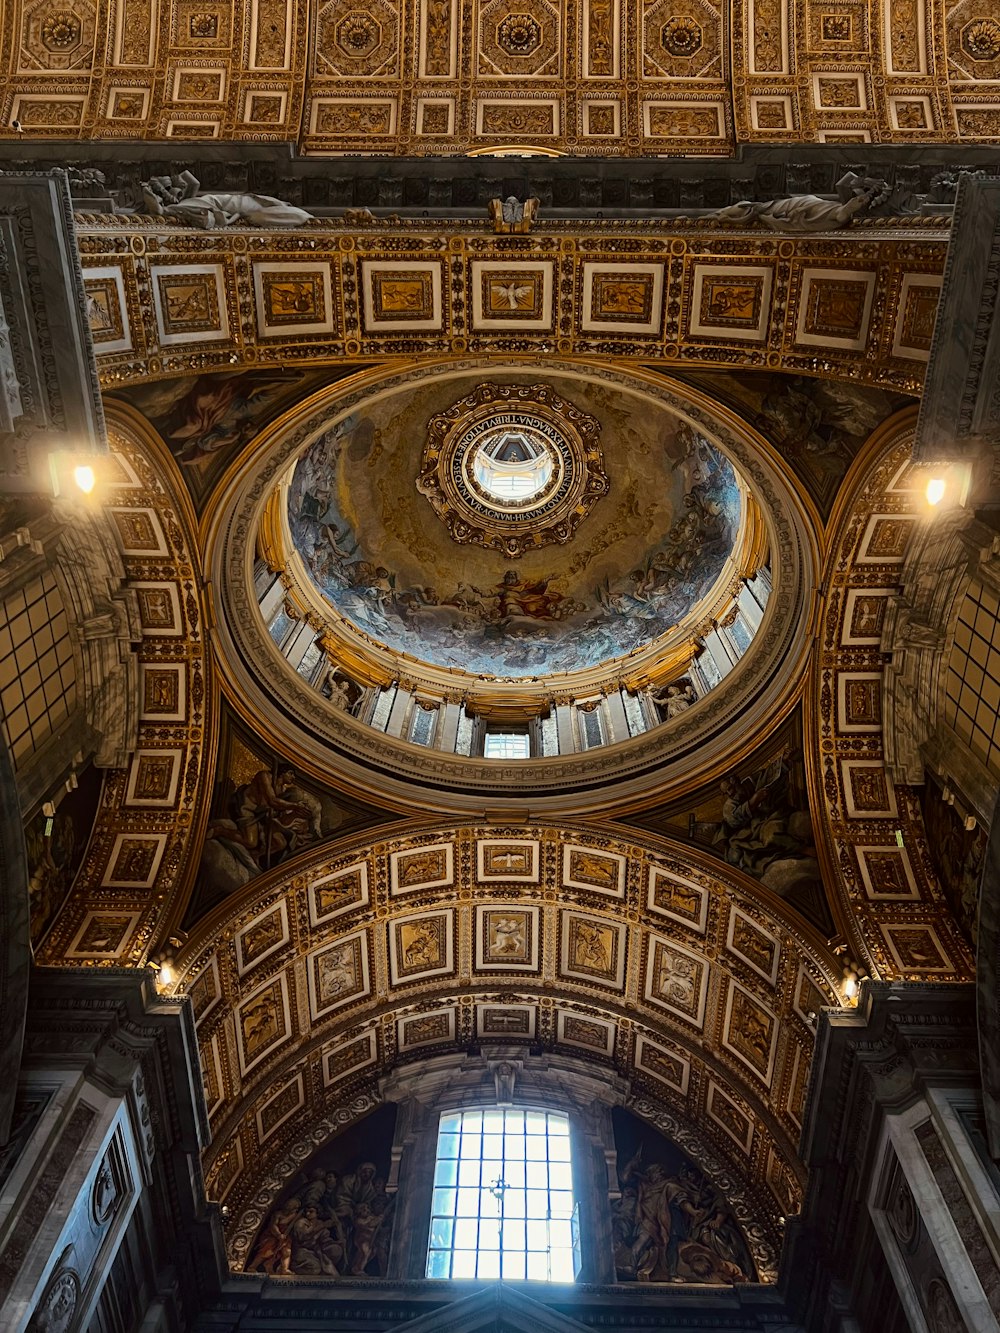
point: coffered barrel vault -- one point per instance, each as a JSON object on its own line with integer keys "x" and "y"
{"x": 646, "y": 958}
{"x": 440, "y": 76}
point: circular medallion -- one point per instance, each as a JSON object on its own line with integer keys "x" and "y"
{"x": 60, "y": 30}
{"x": 512, "y": 467}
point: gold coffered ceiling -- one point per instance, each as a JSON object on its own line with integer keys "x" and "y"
{"x": 664, "y": 968}
{"x": 440, "y": 76}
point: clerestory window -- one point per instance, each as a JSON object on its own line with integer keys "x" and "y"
{"x": 507, "y": 745}
{"x": 503, "y": 1204}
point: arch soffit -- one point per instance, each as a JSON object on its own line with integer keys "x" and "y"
{"x": 140, "y": 860}
{"x": 884, "y": 886}
{"x": 648, "y": 957}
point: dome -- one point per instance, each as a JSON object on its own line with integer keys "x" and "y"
{"x": 456, "y": 647}
{"x": 570, "y": 523}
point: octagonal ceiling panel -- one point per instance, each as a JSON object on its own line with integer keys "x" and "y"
{"x": 440, "y": 77}
{"x": 358, "y": 39}
{"x": 519, "y": 37}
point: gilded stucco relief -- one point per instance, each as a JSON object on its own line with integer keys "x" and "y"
{"x": 138, "y": 858}
{"x": 441, "y": 77}
{"x": 644, "y": 957}
{"x": 681, "y": 292}
{"x": 885, "y": 874}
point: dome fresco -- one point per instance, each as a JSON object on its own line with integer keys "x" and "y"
{"x": 639, "y": 564}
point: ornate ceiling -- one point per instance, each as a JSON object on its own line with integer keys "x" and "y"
{"x": 439, "y": 76}
{"x": 273, "y": 695}
{"x": 653, "y": 958}
{"x": 141, "y": 862}
{"x": 858, "y": 304}
{"x": 643, "y": 958}
{"x": 664, "y": 535}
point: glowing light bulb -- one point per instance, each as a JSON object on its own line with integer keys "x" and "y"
{"x": 935, "y": 490}
{"x": 166, "y": 976}
{"x": 84, "y": 478}
{"x": 850, "y": 986}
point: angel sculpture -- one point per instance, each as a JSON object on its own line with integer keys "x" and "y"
{"x": 811, "y": 212}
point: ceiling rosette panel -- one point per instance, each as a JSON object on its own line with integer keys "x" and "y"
{"x": 443, "y": 77}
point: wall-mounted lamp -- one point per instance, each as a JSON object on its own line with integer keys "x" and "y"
{"x": 162, "y": 963}
{"x": 73, "y": 475}
{"x": 85, "y": 478}
{"x": 948, "y": 486}
{"x": 850, "y": 985}
{"x": 936, "y": 488}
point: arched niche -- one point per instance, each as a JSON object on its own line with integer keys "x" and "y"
{"x": 648, "y": 959}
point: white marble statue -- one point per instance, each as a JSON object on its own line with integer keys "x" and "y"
{"x": 181, "y": 197}
{"x": 675, "y": 699}
{"x": 811, "y": 212}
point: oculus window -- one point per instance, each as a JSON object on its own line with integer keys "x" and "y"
{"x": 513, "y": 466}
{"x": 503, "y": 1203}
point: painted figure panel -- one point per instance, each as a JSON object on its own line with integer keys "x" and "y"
{"x": 758, "y": 820}
{"x": 55, "y": 846}
{"x": 656, "y": 544}
{"x": 818, "y": 425}
{"x": 206, "y": 419}
{"x": 263, "y": 812}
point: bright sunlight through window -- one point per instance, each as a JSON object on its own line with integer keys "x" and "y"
{"x": 512, "y": 467}
{"x": 503, "y": 1198}
{"x": 507, "y": 745}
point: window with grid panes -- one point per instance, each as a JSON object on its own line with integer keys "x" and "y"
{"x": 503, "y": 1204}
{"x": 507, "y": 745}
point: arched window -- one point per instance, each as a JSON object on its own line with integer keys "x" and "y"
{"x": 503, "y": 1202}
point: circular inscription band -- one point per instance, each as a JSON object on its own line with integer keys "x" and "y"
{"x": 512, "y": 467}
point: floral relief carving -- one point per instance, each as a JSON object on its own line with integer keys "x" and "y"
{"x": 357, "y": 40}
{"x": 519, "y": 35}
{"x": 681, "y": 36}
{"x": 60, "y": 30}
{"x": 471, "y": 47}
{"x": 58, "y": 36}
{"x": 981, "y": 39}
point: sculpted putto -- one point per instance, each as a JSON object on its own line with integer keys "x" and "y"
{"x": 180, "y": 196}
